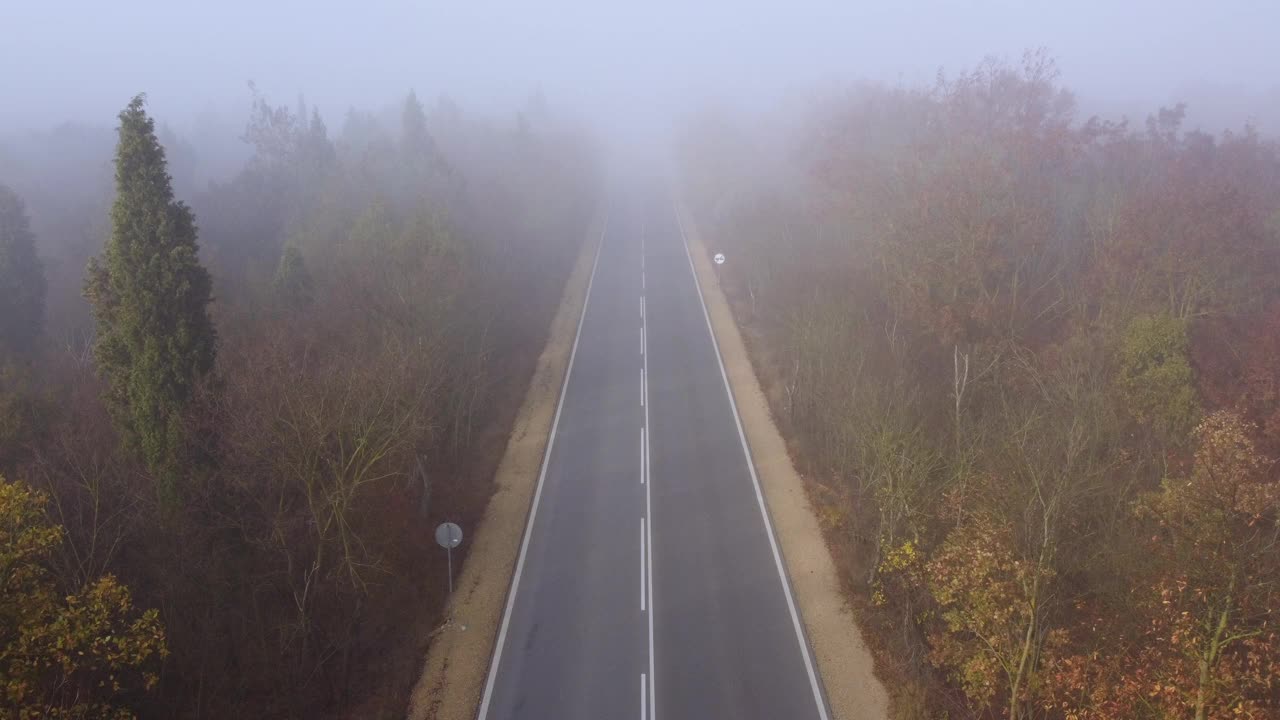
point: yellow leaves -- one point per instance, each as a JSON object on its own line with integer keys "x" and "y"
{"x": 831, "y": 516}
{"x": 903, "y": 557}
{"x": 24, "y": 536}
{"x": 59, "y": 646}
{"x": 987, "y": 599}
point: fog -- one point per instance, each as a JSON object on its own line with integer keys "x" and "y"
{"x": 264, "y": 329}
{"x": 629, "y": 69}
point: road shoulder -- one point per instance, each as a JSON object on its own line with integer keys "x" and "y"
{"x": 458, "y": 656}
{"x": 845, "y": 663}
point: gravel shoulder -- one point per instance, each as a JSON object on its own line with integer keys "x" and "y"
{"x": 845, "y": 663}
{"x": 458, "y": 655}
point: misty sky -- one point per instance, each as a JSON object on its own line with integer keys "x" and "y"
{"x": 83, "y": 59}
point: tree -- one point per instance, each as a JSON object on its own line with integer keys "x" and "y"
{"x": 1196, "y": 636}
{"x": 424, "y": 171}
{"x": 150, "y": 298}
{"x": 64, "y": 655}
{"x": 292, "y": 283}
{"x": 22, "y": 282}
{"x": 1155, "y": 376}
{"x": 1219, "y": 535}
{"x": 416, "y": 139}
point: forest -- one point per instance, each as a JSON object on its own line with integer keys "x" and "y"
{"x": 1024, "y": 355}
{"x": 232, "y": 412}
{"x": 1027, "y": 362}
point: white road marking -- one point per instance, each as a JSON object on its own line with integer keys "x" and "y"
{"x": 648, "y": 513}
{"x": 641, "y": 387}
{"x": 642, "y": 697}
{"x": 642, "y": 456}
{"x": 642, "y": 566}
{"x": 537, "y": 493}
{"x": 755, "y": 481}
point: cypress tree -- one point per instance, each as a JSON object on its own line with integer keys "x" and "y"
{"x": 22, "y": 282}
{"x": 150, "y": 298}
{"x": 292, "y": 283}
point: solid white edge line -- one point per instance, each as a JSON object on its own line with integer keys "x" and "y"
{"x": 648, "y": 512}
{"x": 642, "y": 565}
{"x": 537, "y": 493}
{"x": 818, "y": 697}
{"x": 653, "y": 702}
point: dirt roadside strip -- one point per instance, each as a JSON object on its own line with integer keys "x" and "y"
{"x": 458, "y": 657}
{"x": 844, "y": 661}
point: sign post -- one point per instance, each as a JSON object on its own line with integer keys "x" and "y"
{"x": 719, "y": 260}
{"x": 449, "y": 536}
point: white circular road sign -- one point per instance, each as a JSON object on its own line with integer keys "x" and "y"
{"x": 719, "y": 258}
{"x": 449, "y": 535}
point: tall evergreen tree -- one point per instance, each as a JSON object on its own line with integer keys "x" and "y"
{"x": 150, "y": 298}
{"x": 22, "y": 282}
{"x": 416, "y": 140}
{"x": 292, "y": 283}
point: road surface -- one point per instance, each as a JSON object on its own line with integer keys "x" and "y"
{"x": 648, "y": 583}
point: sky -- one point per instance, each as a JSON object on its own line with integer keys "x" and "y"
{"x": 620, "y": 65}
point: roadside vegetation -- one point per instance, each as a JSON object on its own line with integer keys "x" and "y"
{"x": 1027, "y": 362}
{"x": 225, "y": 445}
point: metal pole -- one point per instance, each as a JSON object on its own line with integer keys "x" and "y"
{"x": 450, "y": 552}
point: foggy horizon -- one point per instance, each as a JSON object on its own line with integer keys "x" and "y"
{"x": 627, "y": 71}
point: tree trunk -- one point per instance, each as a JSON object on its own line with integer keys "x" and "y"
{"x": 1207, "y": 660}
{"x": 1015, "y": 707}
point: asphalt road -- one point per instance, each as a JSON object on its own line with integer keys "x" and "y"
{"x": 648, "y": 583}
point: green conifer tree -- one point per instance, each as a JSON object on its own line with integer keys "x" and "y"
{"x": 292, "y": 283}
{"x": 150, "y": 298}
{"x": 22, "y": 282}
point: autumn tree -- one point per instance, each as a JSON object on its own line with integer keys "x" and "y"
{"x": 1155, "y": 377}
{"x": 150, "y": 298}
{"x": 989, "y": 600}
{"x": 65, "y": 654}
{"x": 989, "y": 327}
{"x": 1219, "y": 531}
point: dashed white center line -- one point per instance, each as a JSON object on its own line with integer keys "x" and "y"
{"x": 642, "y": 393}
{"x": 643, "y": 697}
